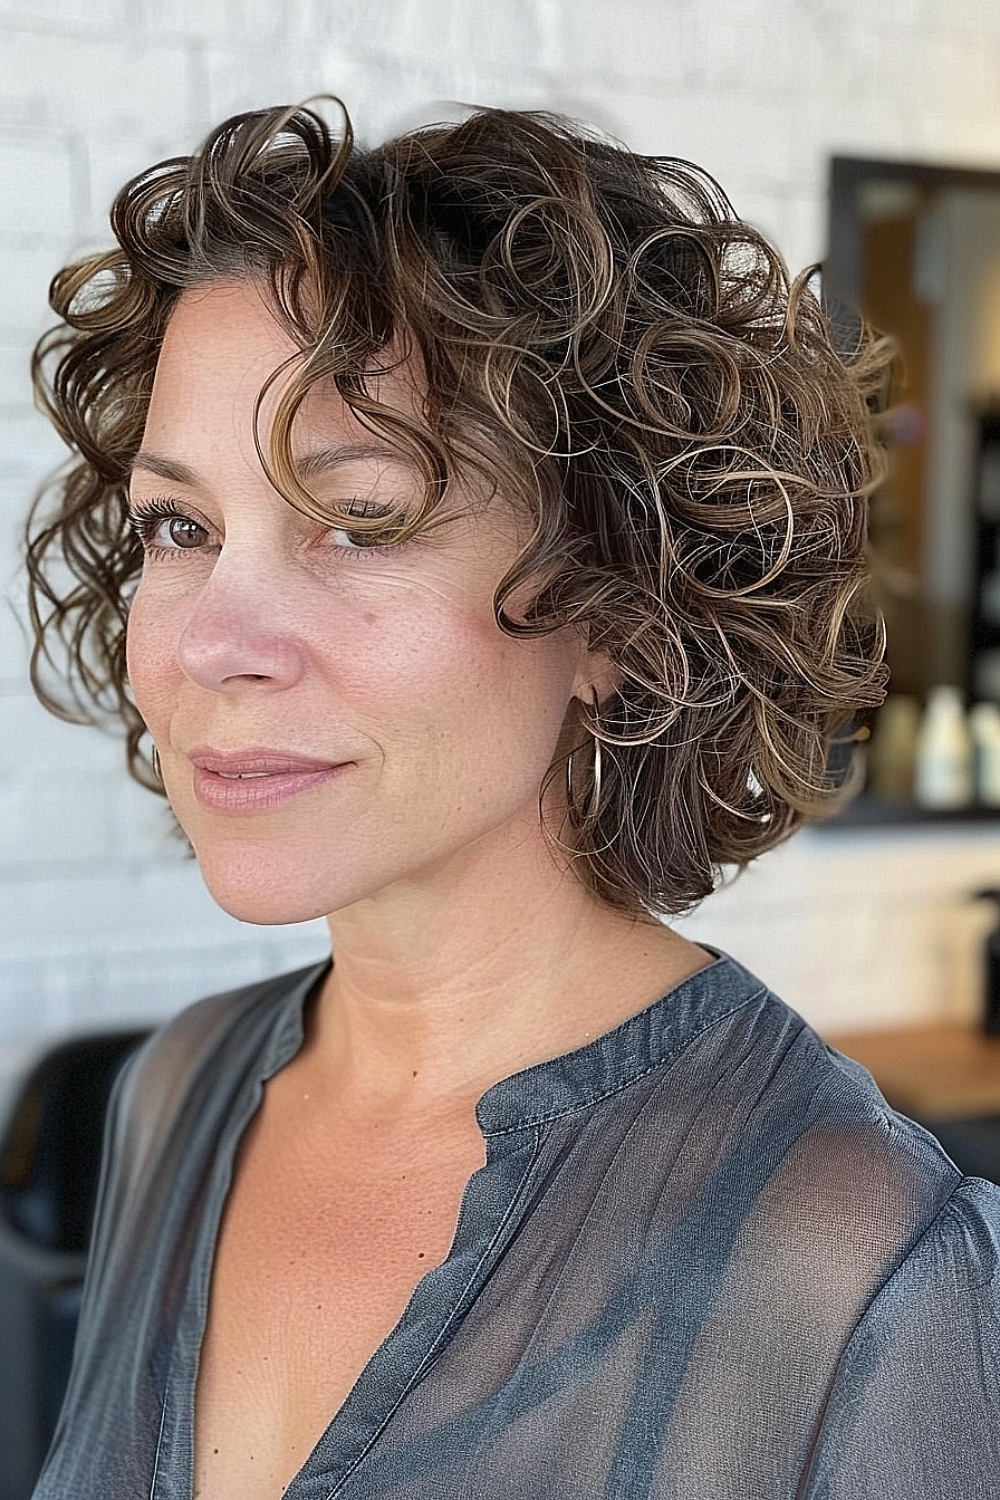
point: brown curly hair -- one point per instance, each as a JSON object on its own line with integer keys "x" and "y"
{"x": 604, "y": 341}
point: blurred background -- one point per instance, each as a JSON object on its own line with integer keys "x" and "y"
{"x": 865, "y": 136}
{"x": 837, "y": 127}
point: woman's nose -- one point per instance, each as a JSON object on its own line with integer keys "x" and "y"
{"x": 237, "y": 635}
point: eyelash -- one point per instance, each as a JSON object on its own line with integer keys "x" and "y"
{"x": 144, "y": 520}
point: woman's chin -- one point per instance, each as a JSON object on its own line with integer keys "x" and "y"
{"x": 263, "y": 908}
{"x": 263, "y": 912}
{"x": 263, "y": 892}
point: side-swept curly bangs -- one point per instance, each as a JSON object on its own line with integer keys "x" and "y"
{"x": 604, "y": 342}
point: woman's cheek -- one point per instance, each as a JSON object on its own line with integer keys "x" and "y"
{"x": 149, "y": 656}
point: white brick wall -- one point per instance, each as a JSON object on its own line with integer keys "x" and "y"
{"x": 101, "y": 919}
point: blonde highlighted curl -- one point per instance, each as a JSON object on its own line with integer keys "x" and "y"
{"x": 612, "y": 350}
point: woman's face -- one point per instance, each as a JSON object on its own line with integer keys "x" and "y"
{"x": 333, "y": 719}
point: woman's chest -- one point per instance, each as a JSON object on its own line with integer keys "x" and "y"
{"x": 318, "y": 1253}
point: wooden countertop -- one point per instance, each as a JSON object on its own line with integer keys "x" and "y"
{"x": 930, "y": 1072}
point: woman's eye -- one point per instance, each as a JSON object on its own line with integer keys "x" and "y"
{"x": 160, "y": 528}
{"x": 365, "y": 541}
{"x": 182, "y": 531}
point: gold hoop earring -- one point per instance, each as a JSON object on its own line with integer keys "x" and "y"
{"x": 594, "y": 800}
{"x": 595, "y": 791}
{"x": 157, "y": 768}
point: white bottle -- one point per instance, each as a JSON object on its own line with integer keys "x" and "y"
{"x": 984, "y": 721}
{"x": 893, "y": 749}
{"x": 944, "y": 768}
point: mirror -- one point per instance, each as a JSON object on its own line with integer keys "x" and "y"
{"x": 916, "y": 249}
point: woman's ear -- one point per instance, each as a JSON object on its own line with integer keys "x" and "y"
{"x": 597, "y": 680}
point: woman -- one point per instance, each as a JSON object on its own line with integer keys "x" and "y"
{"x": 499, "y": 510}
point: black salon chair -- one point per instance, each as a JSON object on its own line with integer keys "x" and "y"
{"x": 50, "y": 1154}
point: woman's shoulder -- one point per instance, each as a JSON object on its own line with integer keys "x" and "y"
{"x": 912, "y": 1408}
{"x": 200, "y": 1053}
{"x": 844, "y": 1238}
{"x": 821, "y": 1168}
{"x": 774, "y": 1066}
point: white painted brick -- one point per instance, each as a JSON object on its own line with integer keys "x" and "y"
{"x": 57, "y": 748}
{"x": 113, "y": 158}
{"x": 239, "y": 81}
{"x": 15, "y": 647}
{"x": 425, "y": 92}
{"x": 117, "y": 106}
{"x": 82, "y": 15}
{"x": 95, "y": 85}
{"x": 367, "y": 26}
{"x": 293, "y": 25}
{"x": 24, "y": 290}
{"x": 54, "y": 820}
{"x": 801, "y": 234}
{"x": 657, "y": 43}
{"x": 263, "y": 77}
{"x": 486, "y": 38}
{"x": 854, "y": 929}
{"x": 128, "y": 950}
{"x": 187, "y": 20}
{"x": 30, "y": 448}
{"x": 164, "y": 909}
{"x": 15, "y": 374}
{"x": 13, "y": 651}
{"x": 37, "y": 202}
{"x": 980, "y": 18}
{"x": 974, "y": 142}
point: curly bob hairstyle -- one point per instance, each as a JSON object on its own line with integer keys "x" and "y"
{"x": 613, "y": 351}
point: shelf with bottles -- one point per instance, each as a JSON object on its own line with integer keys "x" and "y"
{"x": 934, "y": 762}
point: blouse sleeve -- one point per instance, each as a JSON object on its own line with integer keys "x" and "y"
{"x": 914, "y": 1410}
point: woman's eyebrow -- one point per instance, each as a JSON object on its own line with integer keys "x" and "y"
{"x": 317, "y": 461}
{"x": 322, "y": 460}
{"x": 166, "y": 468}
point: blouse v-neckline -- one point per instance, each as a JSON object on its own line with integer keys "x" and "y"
{"x": 511, "y": 1115}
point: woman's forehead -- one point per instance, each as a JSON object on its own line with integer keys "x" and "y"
{"x": 225, "y": 349}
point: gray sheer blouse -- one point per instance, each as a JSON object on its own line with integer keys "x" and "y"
{"x": 704, "y": 1261}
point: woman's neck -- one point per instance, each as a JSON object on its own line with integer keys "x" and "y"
{"x": 443, "y": 987}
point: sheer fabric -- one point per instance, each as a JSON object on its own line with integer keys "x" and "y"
{"x": 704, "y": 1261}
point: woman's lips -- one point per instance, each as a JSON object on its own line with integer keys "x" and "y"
{"x": 255, "y": 780}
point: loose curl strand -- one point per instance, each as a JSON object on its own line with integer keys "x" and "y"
{"x": 606, "y": 346}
